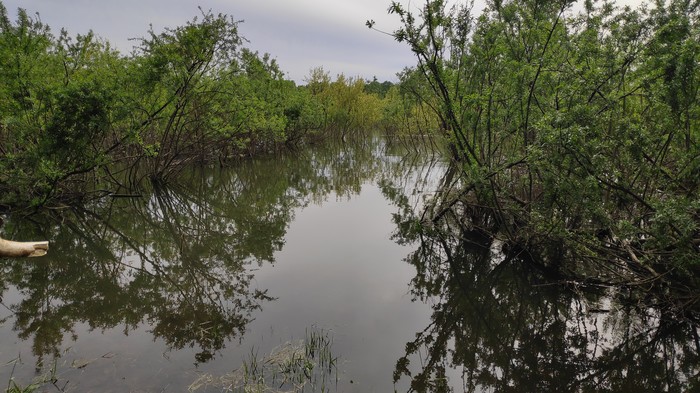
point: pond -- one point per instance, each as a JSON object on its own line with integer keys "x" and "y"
{"x": 312, "y": 271}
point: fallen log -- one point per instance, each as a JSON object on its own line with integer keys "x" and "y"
{"x": 9, "y": 248}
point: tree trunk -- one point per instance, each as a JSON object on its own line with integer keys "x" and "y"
{"x": 9, "y": 248}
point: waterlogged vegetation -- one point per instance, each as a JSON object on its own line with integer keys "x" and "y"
{"x": 304, "y": 365}
{"x": 573, "y": 131}
{"x": 501, "y": 322}
{"x": 540, "y": 161}
{"x": 79, "y": 120}
{"x": 573, "y": 136}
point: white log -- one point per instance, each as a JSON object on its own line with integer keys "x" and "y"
{"x": 9, "y": 248}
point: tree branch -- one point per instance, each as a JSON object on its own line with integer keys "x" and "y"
{"x": 13, "y": 249}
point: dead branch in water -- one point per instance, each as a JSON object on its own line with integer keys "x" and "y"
{"x": 13, "y": 249}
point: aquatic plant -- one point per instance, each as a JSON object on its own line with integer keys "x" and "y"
{"x": 306, "y": 365}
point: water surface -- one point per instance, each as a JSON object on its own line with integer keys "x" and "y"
{"x": 179, "y": 288}
{"x": 192, "y": 279}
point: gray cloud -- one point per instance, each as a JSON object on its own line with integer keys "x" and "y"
{"x": 300, "y": 34}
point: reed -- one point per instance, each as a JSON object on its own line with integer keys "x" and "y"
{"x": 50, "y": 377}
{"x": 306, "y": 365}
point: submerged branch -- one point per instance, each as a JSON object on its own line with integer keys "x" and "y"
{"x": 13, "y": 249}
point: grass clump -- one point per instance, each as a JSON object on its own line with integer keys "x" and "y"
{"x": 306, "y": 365}
{"x": 47, "y": 378}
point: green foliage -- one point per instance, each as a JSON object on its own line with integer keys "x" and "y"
{"x": 58, "y": 109}
{"x": 377, "y": 88}
{"x": 78, "y": 119}
{"x": 344, "y": 105}
{"x": 567, "y": 125}
{"x": 79, "y": 116}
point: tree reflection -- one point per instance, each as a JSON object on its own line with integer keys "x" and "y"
{"x": 180, "y": 260}
{"x": 499, "y": 324}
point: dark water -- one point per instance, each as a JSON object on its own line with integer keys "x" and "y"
{"x": 176, "y": 290}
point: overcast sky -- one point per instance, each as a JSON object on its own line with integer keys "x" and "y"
{"x": 300, "y": 34}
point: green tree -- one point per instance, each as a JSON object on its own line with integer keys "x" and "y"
{"x": 377, "y": 88}
{"x": 175, "y": 69}
{"x": 577, "y": 130}
{"x": 57, "y": 109}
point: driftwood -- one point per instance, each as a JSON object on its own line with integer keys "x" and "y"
{"x": 9, "y": 248}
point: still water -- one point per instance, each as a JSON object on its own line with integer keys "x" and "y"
{"x": 314, "y": 271}
{"x": 192, "y": 280}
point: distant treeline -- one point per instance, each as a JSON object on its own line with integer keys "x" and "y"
{"x": 78, "y": 119}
